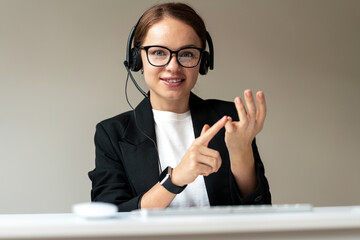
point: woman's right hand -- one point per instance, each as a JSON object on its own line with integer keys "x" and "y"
{"x": 199, "y": 159}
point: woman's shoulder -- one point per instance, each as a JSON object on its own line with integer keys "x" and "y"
{"x": 116, "y": 123}
{"x": 222, "y": 107}
{"x": 217, "y": 103}
{"x": 220, "y": 103}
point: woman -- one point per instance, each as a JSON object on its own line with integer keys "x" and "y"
{"x": 164, "y": 153}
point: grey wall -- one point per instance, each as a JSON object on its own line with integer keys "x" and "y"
{"x": 61, "y": 72}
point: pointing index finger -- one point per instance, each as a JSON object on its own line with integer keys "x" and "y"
{"x": 206, "y": 137}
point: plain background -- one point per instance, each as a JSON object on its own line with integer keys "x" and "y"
{"x": 61, "y": 72}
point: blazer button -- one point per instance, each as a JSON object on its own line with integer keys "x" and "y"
{"x": 258, "y": 199}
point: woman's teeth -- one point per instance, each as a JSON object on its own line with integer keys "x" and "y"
{"x": 174, "y": 80}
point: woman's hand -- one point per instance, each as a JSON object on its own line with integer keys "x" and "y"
{"x": 239, "y": 135}
{"x": 199, "y": 159}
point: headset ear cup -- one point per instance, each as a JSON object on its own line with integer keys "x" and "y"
{"x": 135, "y": 60}
{"x": 204, "y": 64}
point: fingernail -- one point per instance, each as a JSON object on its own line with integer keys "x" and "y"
{"x": 261, "y": 94}
{"x": 237, "y": 100}
{"x": 248, "y": 93}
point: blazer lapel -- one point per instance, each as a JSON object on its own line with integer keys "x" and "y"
{"x": 138, "y": 147}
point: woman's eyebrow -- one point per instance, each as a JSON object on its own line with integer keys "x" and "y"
{"x": 165, "y": 46}
{"x": 186, "y": 46}
{"x": 189, "y": 45}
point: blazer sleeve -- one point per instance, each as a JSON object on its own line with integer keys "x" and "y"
{"x": 109, "y": 179}
{"x": 261, "y": 195}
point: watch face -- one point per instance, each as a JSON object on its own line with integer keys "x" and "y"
{"x": 164, "y": 175}
{"x": 164, "y": 179}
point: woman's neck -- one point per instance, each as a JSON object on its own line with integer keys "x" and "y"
{"x": 176, "y": 106}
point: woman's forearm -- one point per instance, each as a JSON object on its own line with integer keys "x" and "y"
{"x": 157, "y": 197}
{"x": 243, "y": 169}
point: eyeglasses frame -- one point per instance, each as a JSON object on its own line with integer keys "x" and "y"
{"x": 146, "y": 48}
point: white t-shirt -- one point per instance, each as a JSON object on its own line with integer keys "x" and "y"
{"x": 174, "y": 135}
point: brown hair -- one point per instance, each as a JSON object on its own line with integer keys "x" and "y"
{"x": 179, "y": 11}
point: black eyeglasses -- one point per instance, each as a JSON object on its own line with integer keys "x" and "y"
{"x": 159, "y": 56}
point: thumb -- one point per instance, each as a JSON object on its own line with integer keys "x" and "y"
{"x": 204, "y": 129}
{"x": 229, "y": 125}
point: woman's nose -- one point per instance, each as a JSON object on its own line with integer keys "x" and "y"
{"x": 173, "y": 64}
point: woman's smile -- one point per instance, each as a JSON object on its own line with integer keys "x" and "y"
{"x": 172, "y": 81}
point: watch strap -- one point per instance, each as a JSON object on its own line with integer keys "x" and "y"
{"x": 165, "y": 181}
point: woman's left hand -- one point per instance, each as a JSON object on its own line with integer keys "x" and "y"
{"x": 239, "y": 135}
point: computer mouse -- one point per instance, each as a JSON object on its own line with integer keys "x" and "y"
{"x": 95, "y": 210}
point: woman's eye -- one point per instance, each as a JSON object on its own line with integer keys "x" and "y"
{"x": 158, "y": 53}
{"x": 187, "y": 54}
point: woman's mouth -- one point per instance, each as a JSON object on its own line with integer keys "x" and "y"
{"x": 172, "y": 82}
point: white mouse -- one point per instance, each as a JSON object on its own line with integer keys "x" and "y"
{"x": 95, "y": 210}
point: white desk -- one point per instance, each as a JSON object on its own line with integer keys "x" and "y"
{"x": 321, "y": 223}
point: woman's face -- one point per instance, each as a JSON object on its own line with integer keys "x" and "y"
{"x": 170, "y": 85}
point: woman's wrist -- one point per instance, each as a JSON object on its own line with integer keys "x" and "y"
{"x": 242, "y": 161}
{"x": 174, "y": 178}
{"x": 240, "y": 154}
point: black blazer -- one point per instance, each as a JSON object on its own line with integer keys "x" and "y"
{"x": 126, "y": 163}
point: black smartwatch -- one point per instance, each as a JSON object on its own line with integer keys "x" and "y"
{"x": 165, "y": 181}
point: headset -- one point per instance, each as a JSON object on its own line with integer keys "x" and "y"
{"x": 133, "y": 60}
